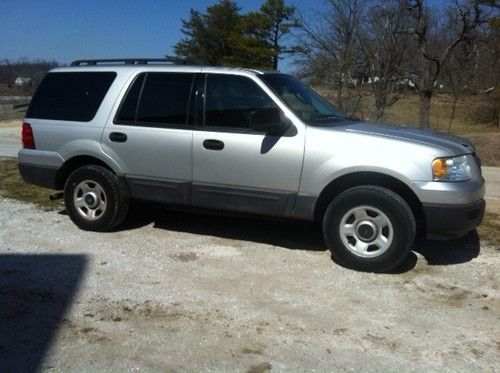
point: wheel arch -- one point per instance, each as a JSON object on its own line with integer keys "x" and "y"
{"x": 347, "y": 181}
{"x": 76, "y": 162}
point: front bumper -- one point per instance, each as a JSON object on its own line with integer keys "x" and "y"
{"x": 450, "y": 193}
{"x": 452, "y": 221}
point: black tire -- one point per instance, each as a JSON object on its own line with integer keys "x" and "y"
{"x": 369, "y": 199}
{"x": 115, "y": 198}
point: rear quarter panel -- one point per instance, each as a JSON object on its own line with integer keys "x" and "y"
{"x": 67, "y": 139}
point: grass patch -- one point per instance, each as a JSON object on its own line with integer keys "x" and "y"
{"x": 12, "y": 186}
{"x": 473, "y": 114}
{"x": 12, "y": 114}
{"x": 487, "y": 147}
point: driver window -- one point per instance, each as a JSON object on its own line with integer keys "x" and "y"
{"x": 231, "y": 98}
{"x": 305, "y": 105}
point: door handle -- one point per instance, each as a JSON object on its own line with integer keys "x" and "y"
{"x": 117, "y": 137}
{"x": 211, "y": 144}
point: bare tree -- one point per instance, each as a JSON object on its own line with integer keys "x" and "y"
{"x": 331, "y": 54}
{"x": 473, "y": 66}
{"x": 459, "y": 73}
{"x": 434, "y": 42}
{"x": 384, "y": 48}
{"x": 496, "y": 43}
{"x": 493, "y": 43}
{"x": 396, "y": 41}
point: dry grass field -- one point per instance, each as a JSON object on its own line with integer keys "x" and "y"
{"x": 5, "y": 90}
{"x": 473, "y": 119}
{"x": 473, "y": 114}
{"x": 11, "y": 117}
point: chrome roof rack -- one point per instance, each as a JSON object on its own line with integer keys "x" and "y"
{"x": 134, "y": 61}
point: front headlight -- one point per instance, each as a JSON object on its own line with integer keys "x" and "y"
{"x": 451, "y": 169}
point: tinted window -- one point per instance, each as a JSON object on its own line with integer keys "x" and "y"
{"x": 304, "y": 101}
{"x": 230, "y": 100}
{"x": 128, "y": 107}
{"x": 74, "y": 96}
{"x": 165, "y": 98}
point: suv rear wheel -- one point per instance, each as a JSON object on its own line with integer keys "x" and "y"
{"x": 369, "y": 228}
{"x": 94, "y": 199}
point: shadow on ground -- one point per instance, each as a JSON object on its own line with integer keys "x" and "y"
{"x": 449, "y": 252}
{"x": 35, "y": 293}
{"x": 290, "y": 234}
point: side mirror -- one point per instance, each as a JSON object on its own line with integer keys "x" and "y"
{"x": 269, "y": 120}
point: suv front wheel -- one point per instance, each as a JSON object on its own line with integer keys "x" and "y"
{"x": 369, "y": 228}
{"x": 94, "y": 199}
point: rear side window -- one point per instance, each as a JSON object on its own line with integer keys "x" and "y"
{"x": 72, "y": 96}
{"x": 157, "y": 99}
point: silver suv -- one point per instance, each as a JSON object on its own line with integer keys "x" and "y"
{"x": 111, "y": 131}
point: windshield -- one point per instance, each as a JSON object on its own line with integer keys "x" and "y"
{"x": 302, "y": 100}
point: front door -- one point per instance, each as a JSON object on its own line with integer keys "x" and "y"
{"x": 236, "y": 168}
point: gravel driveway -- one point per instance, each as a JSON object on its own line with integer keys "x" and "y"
{"x": 182, "y": 291}
{"x": 10, "y": 141}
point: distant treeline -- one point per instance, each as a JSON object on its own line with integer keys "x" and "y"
{"x": 35, "y": 69}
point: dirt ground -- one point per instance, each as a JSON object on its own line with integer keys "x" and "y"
{"x": 182, "y": 291}
{"x": 14, "y": 124}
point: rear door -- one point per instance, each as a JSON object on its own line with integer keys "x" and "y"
{"x": 150, "y": 136}
{"x": 234, "y": 167}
